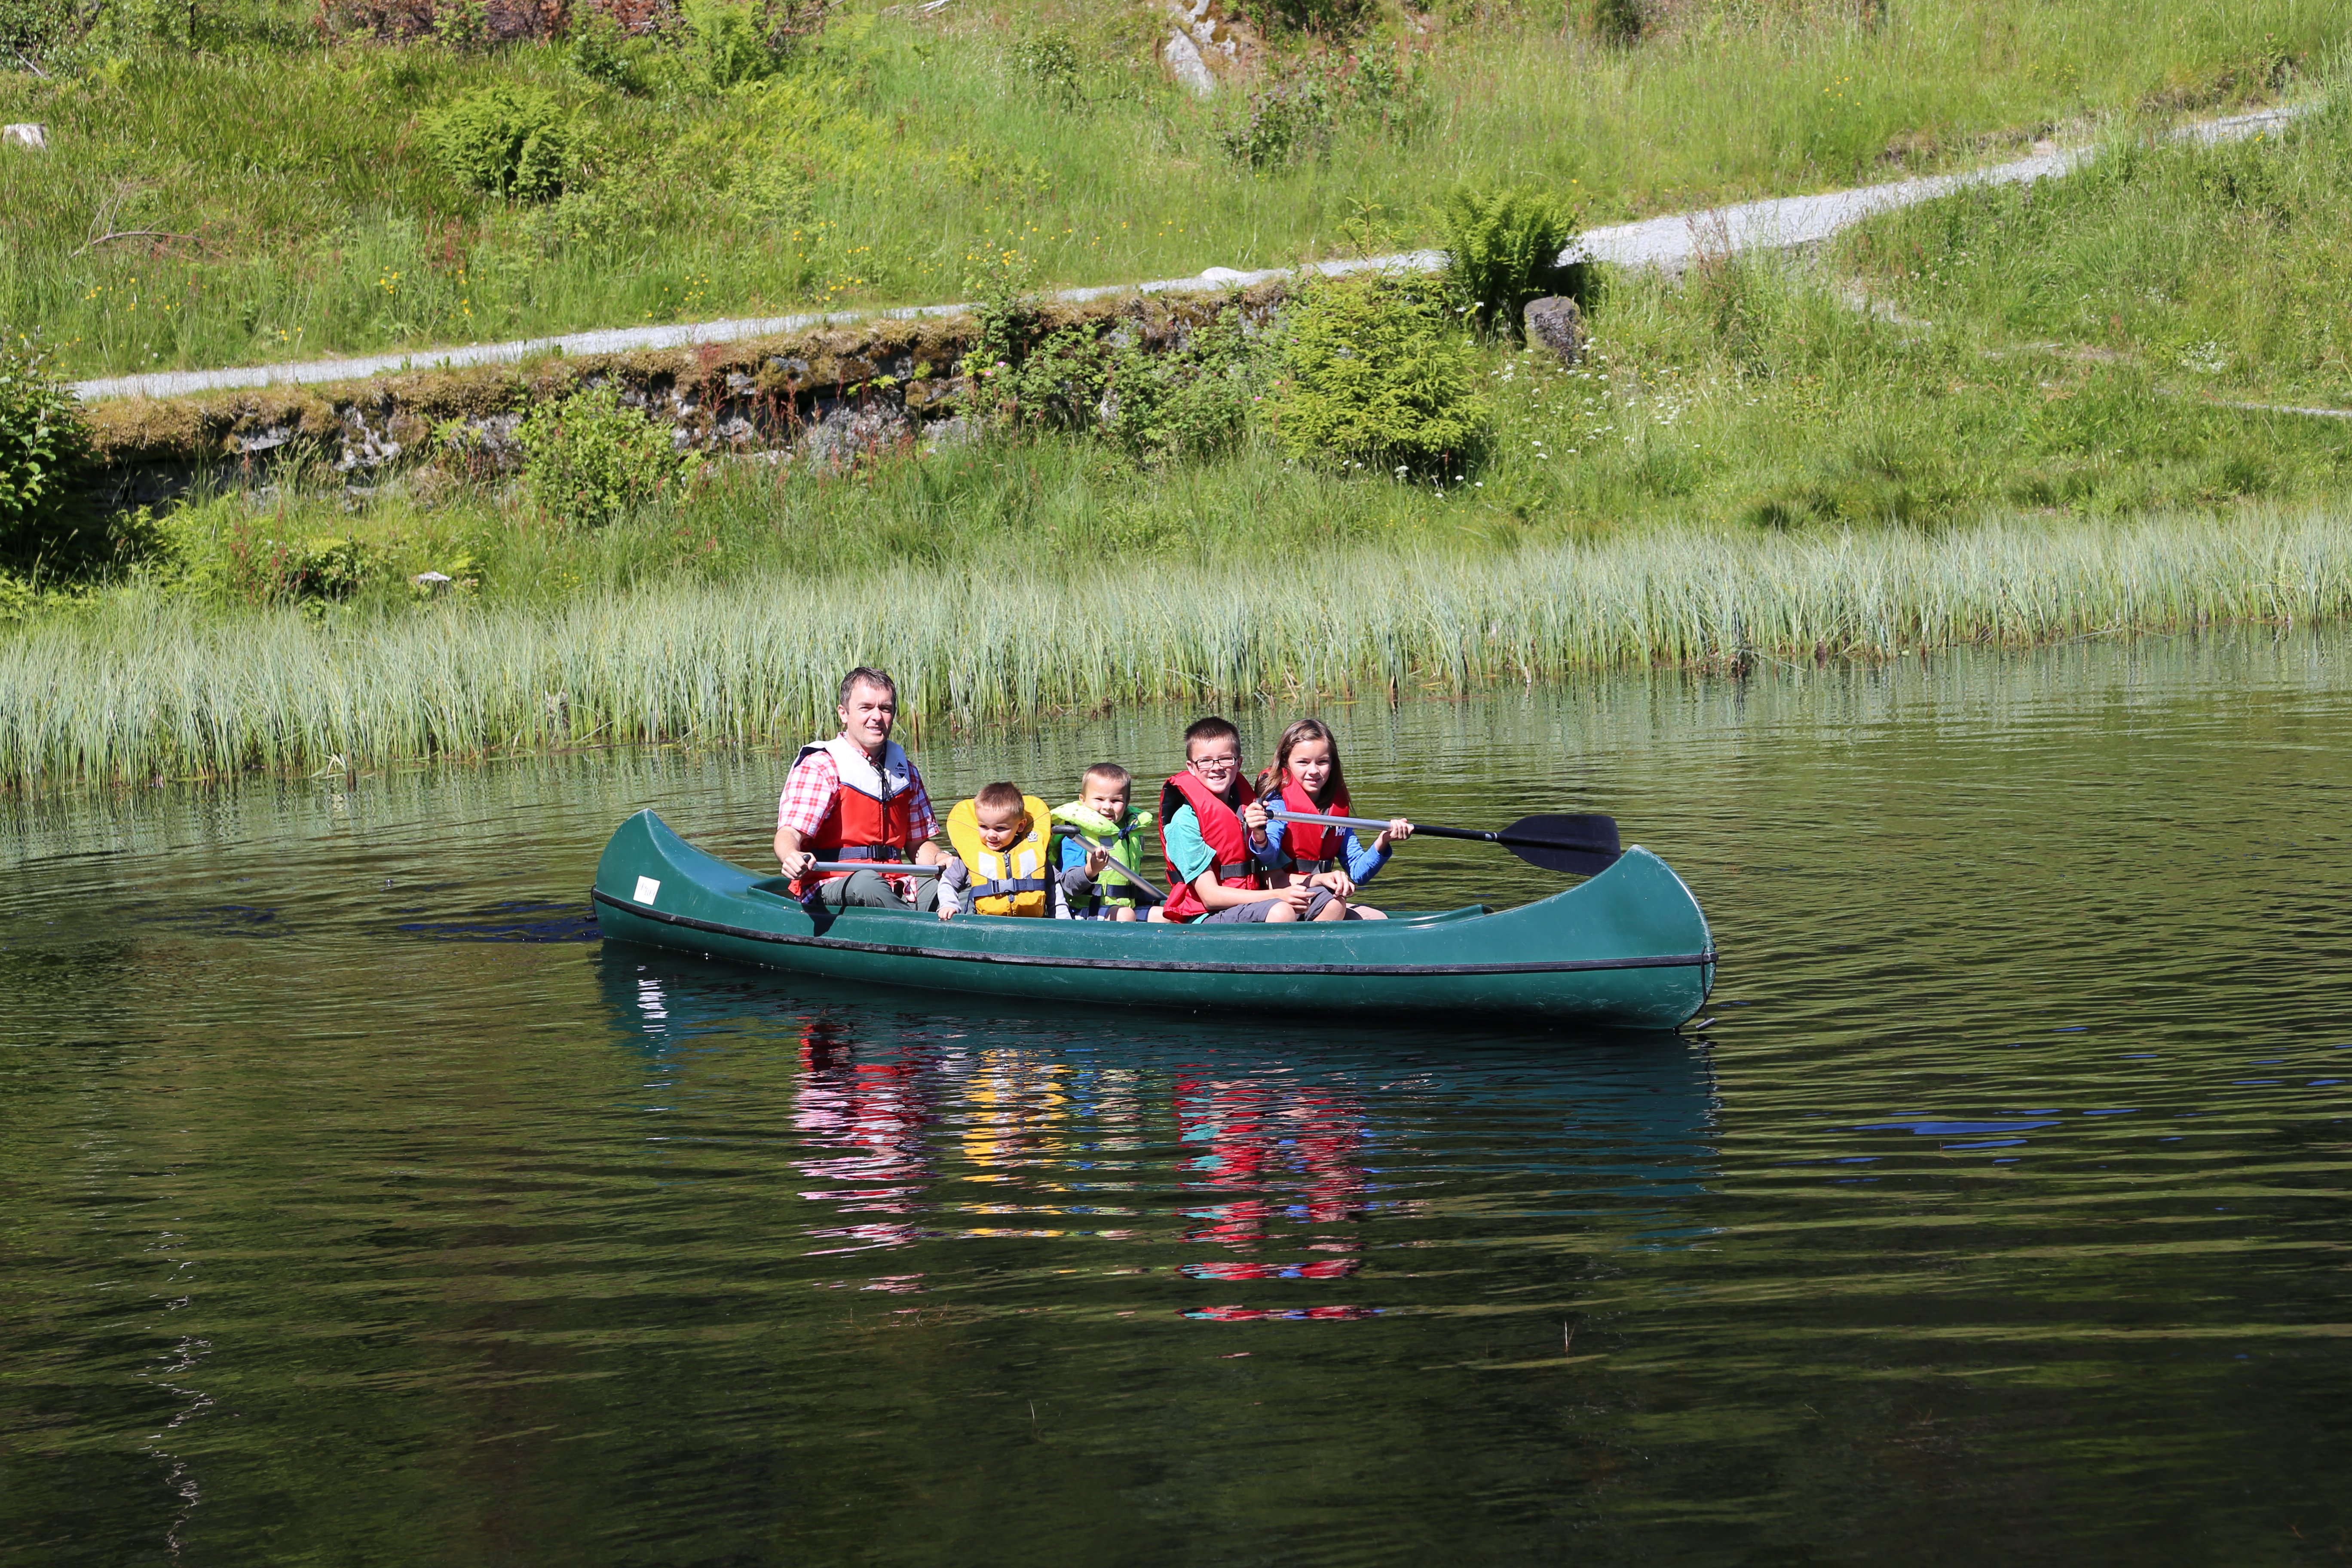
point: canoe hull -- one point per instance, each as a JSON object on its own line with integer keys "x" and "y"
{"x": 1627, "y": 949}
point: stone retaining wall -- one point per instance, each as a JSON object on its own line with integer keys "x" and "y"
{"x": 824, "y": 396}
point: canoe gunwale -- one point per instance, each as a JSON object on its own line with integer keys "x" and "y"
{"x": 903, "y": 950}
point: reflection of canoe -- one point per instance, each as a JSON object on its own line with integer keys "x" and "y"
{"x": 1629, "y": 948}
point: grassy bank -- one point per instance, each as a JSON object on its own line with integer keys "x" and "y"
{"x": 147, "y": 689}
{"x": 2072, "y": 351}
{"x": 892, "y": 158}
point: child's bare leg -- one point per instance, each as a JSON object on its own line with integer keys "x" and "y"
{"x": 1332, "y": 910}
{"x": 1366, "y": 912}
{"x": 1280, "y": 911}
{"x": 1124, "y": 913}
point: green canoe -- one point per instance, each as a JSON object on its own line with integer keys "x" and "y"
{"x": 1628, "y": 948}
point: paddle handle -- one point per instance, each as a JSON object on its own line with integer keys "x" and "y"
{"x": 887, "y": 868}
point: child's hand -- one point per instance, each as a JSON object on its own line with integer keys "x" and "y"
{"x": 1396, "y": 832}
{"x": 1096, "y": 859}
{"x": 945, "y": 913}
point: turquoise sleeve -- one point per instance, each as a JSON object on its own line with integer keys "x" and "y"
{"x": 1188, "y": 852}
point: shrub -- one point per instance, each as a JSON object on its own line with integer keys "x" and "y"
{"x": 1299, "y": 110}
{"x": 591, "y": 459}
{"x": 1331, "y": 19}
{"x": 30, "y": 28}
{"x": 599, "y": 50}
{"x": 1374, "y": 374}
{"x": 45, "y": 524}
{"x": 728, "y": 43}
{"x": 1050, "y": 60}
{"x": 1502, "y": 249}
{"x": 1618, "y": 22}
{"x": 510, "y": 142}
{"x": 1187, "y": 402}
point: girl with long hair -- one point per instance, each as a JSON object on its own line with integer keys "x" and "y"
{"x": 1307, "y": 778}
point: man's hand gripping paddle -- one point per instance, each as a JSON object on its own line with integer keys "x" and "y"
{"x": 1579, "y": 845}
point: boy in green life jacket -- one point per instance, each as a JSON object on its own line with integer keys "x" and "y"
{"x": 1102, "y": 822}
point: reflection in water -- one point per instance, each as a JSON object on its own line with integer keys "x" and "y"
{"x": 920, "y": 1128}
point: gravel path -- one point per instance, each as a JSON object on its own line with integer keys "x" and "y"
{"x": 1660, "y": 242}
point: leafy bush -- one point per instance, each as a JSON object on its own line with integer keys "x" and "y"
{"x": 508, "y": 141}
{"x": 599, "y": 49}
{"x": 46, "y": 526}
{"x": 1331, "y": 19}
{"x": 1375, "y": 374}
{"x": 30, "y": 28}
{"x": 1050, "y": 60}
{"x": 1297, "y": 112}
{"x": 1502, "y": 249}
{"x": 591, "y": 459}
{"x": 1188, "y": 401}
{"x": 461, "y": 24}
{"x": 1620, "y": 22}
{"x": 729, "y": 42}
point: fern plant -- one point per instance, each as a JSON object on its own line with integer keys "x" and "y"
{"x": 511, "y": 141}
{"x": 1502, "y": 249}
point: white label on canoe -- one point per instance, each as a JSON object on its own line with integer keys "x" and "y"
{"x": 646, "y": 888}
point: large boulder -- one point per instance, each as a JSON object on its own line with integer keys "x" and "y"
{"x": 1182, "y": 57}
{"x": 1554, "y": 322}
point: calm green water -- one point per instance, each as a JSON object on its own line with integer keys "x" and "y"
{"x": 360, "y": 1207}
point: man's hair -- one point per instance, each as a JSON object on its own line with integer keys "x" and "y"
{"x": 999, "y": 797}
{"x": 1110, "y": 773}
{"x": 864, "y": 676}
{"x": 1213, "y": 728}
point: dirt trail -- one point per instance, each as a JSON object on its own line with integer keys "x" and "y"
{"x": 1667, "y": 243}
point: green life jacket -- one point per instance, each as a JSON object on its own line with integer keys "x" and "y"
{"x": 1124, "y": 840}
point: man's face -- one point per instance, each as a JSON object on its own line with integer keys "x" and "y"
{"x": 1001, "y": 827}
{"x": 1214, "y": 762}
{"x": 867, "y": 715}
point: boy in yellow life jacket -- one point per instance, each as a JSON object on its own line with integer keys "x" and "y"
{"x": 1004, "y": 862}
{"x": 1102, "y": 828}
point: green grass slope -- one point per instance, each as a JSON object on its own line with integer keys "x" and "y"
{"x": 279, "y": 196}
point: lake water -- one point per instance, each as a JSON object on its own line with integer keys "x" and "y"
{"x": 358, "y": 1206}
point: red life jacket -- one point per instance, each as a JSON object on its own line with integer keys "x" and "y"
{"x": 1310, "y": 847}
{"x": 872, "y": 811}
{"x": 1221, "y": 827}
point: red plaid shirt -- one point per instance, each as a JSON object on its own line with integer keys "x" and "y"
{"x": 810, "y": 787}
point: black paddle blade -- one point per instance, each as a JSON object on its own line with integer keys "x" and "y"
{"x": 1579, "y": 845}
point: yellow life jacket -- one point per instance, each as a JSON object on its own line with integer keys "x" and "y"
{"x": 1020, "y": 881}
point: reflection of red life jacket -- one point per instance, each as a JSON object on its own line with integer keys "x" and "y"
{"x": 872, "y": 811}
{"x": 1311, "y": 847}
{"x": 1221, "y": 827}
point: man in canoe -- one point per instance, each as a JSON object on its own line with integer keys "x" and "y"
{"x": 857, "y": 797}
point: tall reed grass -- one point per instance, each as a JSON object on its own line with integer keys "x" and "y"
{"x": 150, "y": 687}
